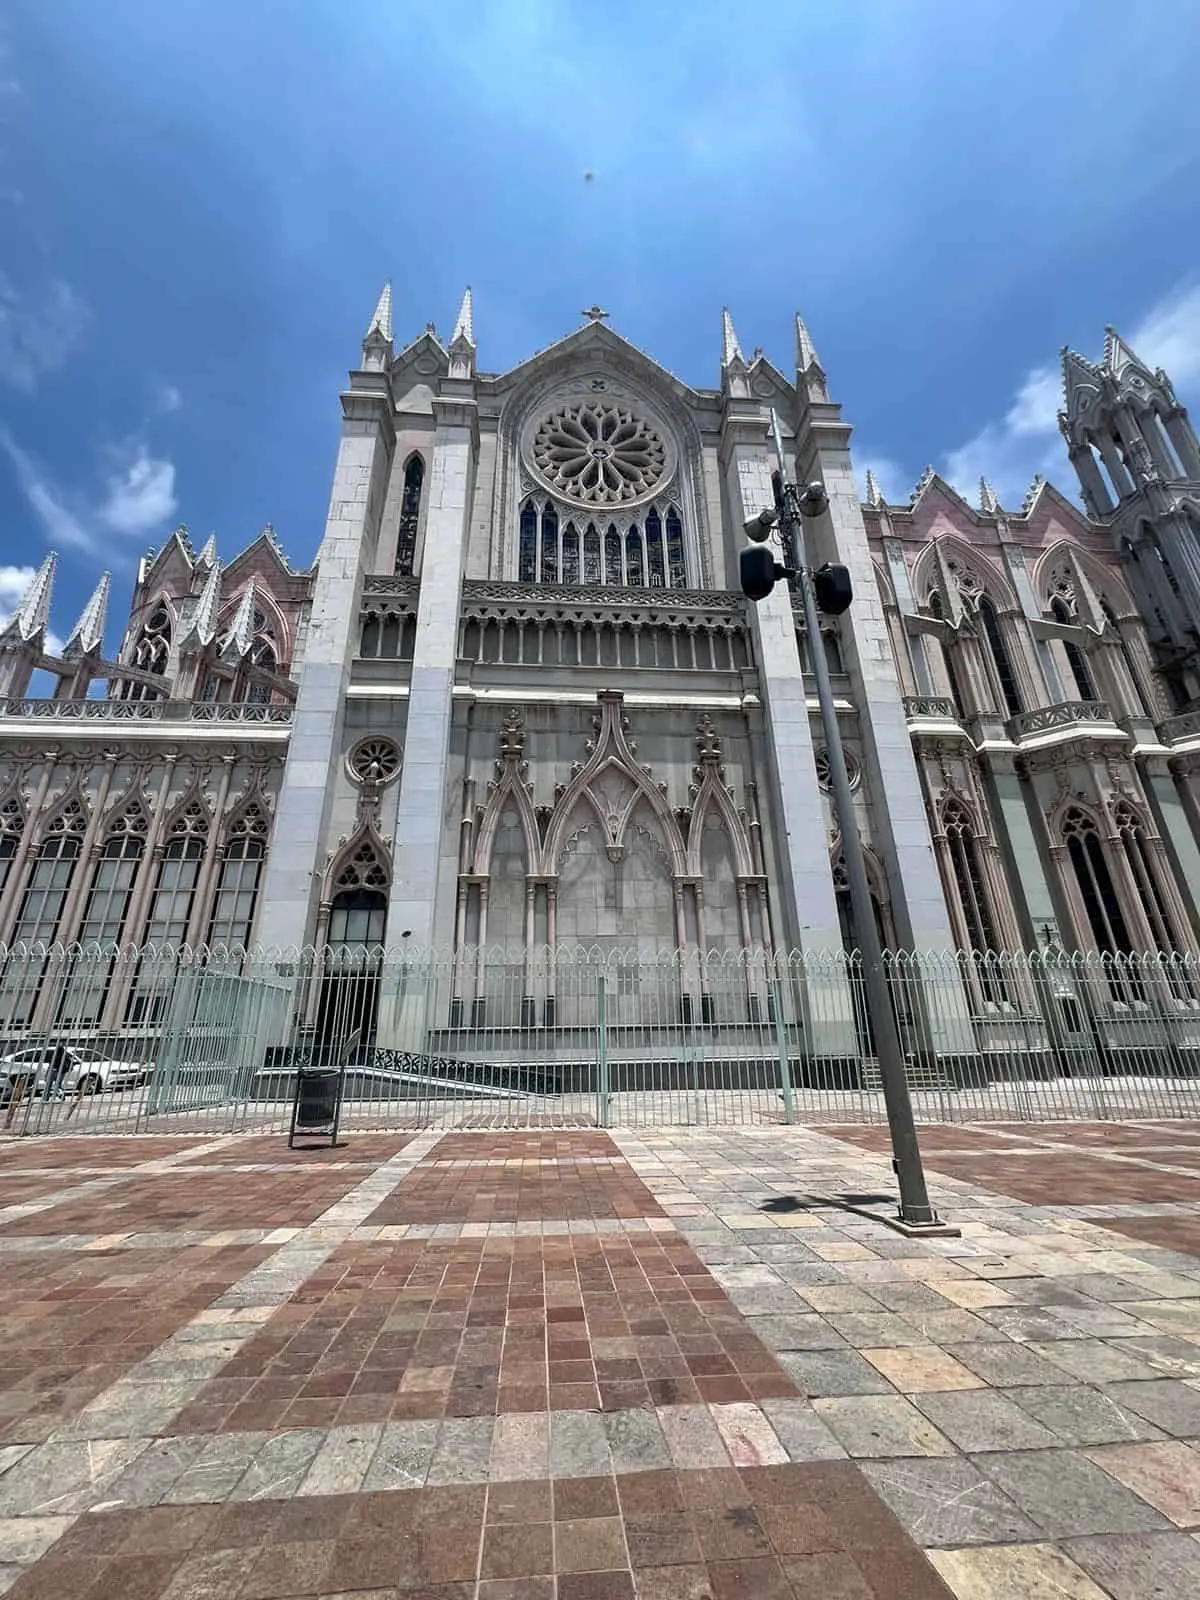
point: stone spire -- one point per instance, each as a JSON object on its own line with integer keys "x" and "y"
{"x": 810, "y": 374}
{"x": 381, "y": 322}
{"x": 874, "y": 493}
{"x": 1118, "y": 355}
{"x": 241, "y": 633}
{"x": 377, "y": 343}
{"x": 464, "y": 327}
{"x": 1079, "y": 374}
{"x": 988, "y": 503}
{"x": 735, "y": 382}
{"x": 202, "y": 629}
{"x": 209, "y": 553}
{"x": 88, "y": 633}
{"x": 462, "y": 344}
{"x": 32, "y": 616}
{"x": 731, "y": 350}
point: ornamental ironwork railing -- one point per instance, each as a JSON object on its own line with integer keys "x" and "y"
{"x": 114, "y": 1039}
{"x": 1067, "y": 714}
{"x": 146, "y": 711}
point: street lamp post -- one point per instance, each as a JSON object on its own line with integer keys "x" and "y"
{"x": 793, "y": 504}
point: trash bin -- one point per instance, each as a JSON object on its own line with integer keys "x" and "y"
{"x": 317, "y": 1103}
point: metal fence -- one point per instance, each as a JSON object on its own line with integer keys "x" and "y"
{"x": 112, "y": 1039}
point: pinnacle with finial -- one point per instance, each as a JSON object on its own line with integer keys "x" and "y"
{"x": 987, "y": 498}
{"x": 731, "y": 350}
{"x": 204, "y": 622}
{"x": 209, "y": 553}
{"x": 88, "y": 633}
{"x": 464, "y": 326}
{"x": 806, "y": 351}
{"x": 381, "y": 322}
{"x": 874, "y": 493}
{"x": 32, "y": 616}
{"x": 241, "y": 633}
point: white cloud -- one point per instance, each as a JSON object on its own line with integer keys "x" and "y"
{"x": 169, "y": 399}
{"x": 1026, "y": 440}
{"x": 59, "y": 523}
{"x": 141, "y": 497}
{"x": 39, "y": 328}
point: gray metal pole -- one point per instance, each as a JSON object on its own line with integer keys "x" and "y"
{"x": 915, "y": 1208}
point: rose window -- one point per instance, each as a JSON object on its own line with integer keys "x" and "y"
{"x": 375, "y": 761}
{"x": 599, "y": 454}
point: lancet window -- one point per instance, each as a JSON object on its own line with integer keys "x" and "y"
{"x": 410, "y": 516}
{"x": 644, "y": 553}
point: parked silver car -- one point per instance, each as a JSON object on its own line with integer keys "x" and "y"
{"x": 83, "y": 1070}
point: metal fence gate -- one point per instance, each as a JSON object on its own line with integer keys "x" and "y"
{"x": 583, "y": 1037}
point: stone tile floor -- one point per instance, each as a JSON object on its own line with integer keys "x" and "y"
{"x": 653, "y": 1365}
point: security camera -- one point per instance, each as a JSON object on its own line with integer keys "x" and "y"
{"x": 759, "y": 528}
{"x": 814, "y": 500}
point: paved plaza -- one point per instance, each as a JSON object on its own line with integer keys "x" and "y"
{"x": 574, "y": 1365}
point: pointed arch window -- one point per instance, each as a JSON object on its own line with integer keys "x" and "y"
{"x": 549, "y": 544}
{"x": 91, "y": 970}
{"x": 676, "y": 568}
{"x": 1001, "y": 660}
{"x": 170, "y": 914}
{"x": 10, "y": 832}
{"x": 1084, "y": 687}
{"x": 151, "y": 653}
{"x": 570, "y": 554}
{"x": 937, "y": 610}
{"x": 1093, "y": 879}
{"x": 237, "y": 890}
{"x": 353, "y": 954}
{"x": 41, "y": 912}
{"x": 656, "y": 566}
{"x": 410, "y": 516}
{"x": 635, "y": 565}
{"x": 593, "y": 571}
{"x": 969, "y": 887}
{"x": 1144, "y": 870}
{"x": 612, "y": 557}
{"x": 527, "y": 565}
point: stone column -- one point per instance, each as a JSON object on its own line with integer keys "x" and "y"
{"x": 900, "y": 829}
{"x": 425, "y": 853}
{"x": 296, "y": 859}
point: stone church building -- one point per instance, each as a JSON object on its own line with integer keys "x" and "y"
{"x": 519, "y": 704}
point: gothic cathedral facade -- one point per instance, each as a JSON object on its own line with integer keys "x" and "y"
{"x": 519, "y": 703}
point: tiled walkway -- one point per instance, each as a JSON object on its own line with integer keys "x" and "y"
{"x": 482, "y": 1366}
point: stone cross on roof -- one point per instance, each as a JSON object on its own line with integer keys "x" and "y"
{"x": 594, "y": 314}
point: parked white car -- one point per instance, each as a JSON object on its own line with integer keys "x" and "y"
{"x": 85, "y": 1070}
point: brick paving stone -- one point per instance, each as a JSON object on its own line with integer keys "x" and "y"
{"x": 73, "y": 1322}
{"x": 386, "y": 1331}
{"x": 182, "y": 1198}
{"x": 102, "y": 1154}
{"x": 352, "y": 1149}
{"x": 527, "y": 1390}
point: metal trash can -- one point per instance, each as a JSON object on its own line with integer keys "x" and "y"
{"x": 317, "y": 1103}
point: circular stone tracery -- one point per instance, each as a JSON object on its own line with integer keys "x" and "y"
{"x": 598, "y": 454}
{"x": 374, "y": 760}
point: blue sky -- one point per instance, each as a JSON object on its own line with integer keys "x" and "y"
{"x": 199, "y": 200}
